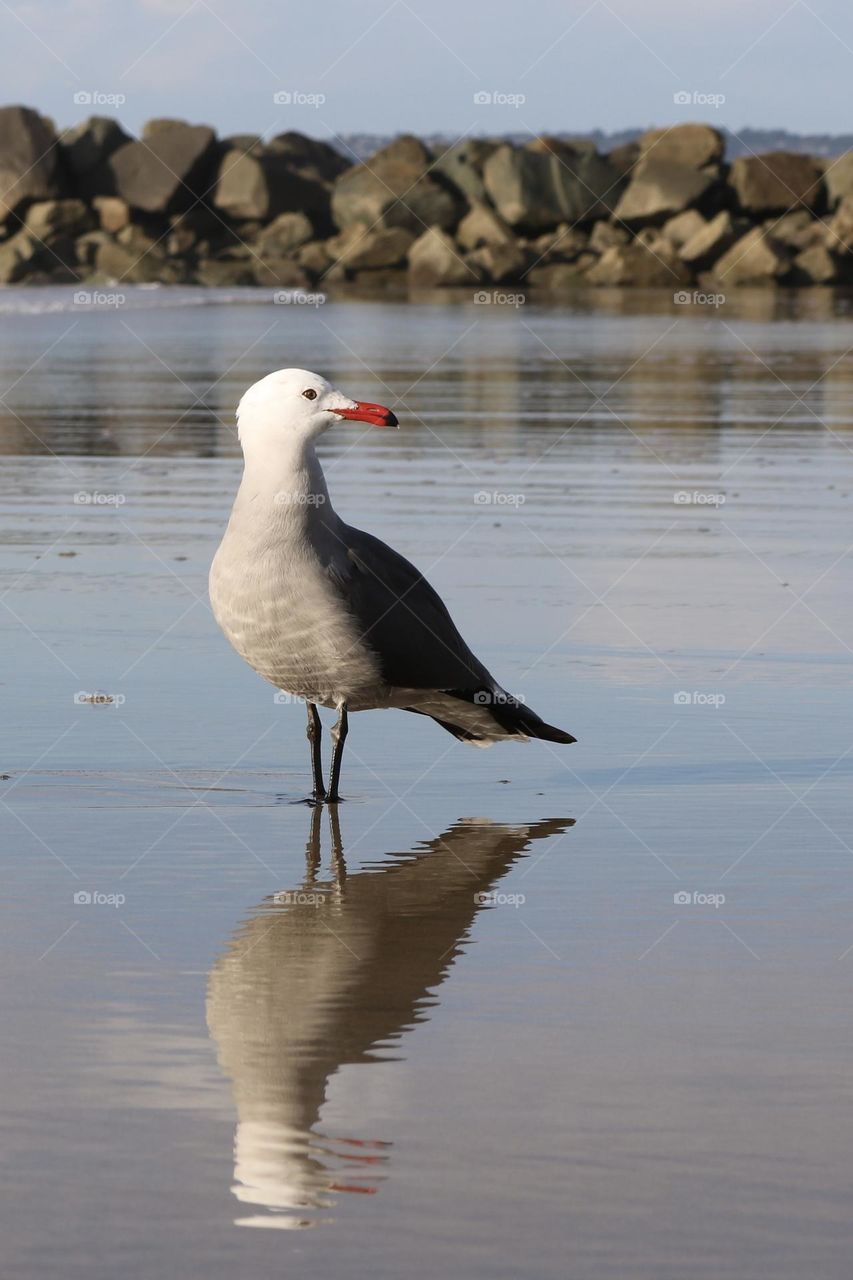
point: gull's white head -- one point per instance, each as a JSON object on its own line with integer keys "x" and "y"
{"x": 296, "y": 404}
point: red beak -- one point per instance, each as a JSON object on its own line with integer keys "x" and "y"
{"x": 376, "y": 414}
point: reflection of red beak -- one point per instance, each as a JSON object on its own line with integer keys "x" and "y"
{"x": 376, "y": 414}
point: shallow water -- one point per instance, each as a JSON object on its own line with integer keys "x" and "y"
{"x": 473, "y": 1028}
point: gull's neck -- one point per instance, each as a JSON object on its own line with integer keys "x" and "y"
{"x": 284, "y": 486}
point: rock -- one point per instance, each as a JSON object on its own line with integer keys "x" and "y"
{"x": 605, "y": 235}
{"x": 536, "y": 190}
{"x": 838, "y": 235}
{"x": 47, "y": 219}
{"x": 624, "y": 157}
{"x": 308, "y": 157}
{"x": 838, "y": 179}
{"x": 777, "y": 181}
{"x": 17, "y": 254}
{"x": 799, "y": 230}
{"x": 636, "y": 264}
{"x": 284, "y": 234}
{"x": 394, "y": 189}
{"x": 500, "y": 263}
{"x": 561, "y": 277}
{"x": 711, "y": 241}
{"x": 563, "y": 244}
{"x": 315, "y": 258}
{"x": 693, "y": 145}
{"x": 658, "y": 189}
{"x": 86, "y": 248}
{"x": 263, "y": 186}
{"x": 816, "y": 265}
{"x": 683, "y": 227}
{"x": 252, "y": 142}
{"x": 135, "y": 259}
{"x": 165, "y": 173}
{"x": 280, "y": 273}
{"x": 371, "y": 248}
{"x": 86, "y": 149}
{"x": 29, "y": 159}
{"x": 161, "y": 124}
{"x": 462, "y": 165}
{"x": 753, "y": 259}
{"x": 113, "y": 212}
{"x": 481, "y": 225}
{"x": 435, "y": 260}
{"x": 223, "y": 273}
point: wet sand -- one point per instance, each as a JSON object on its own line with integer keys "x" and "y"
{"x": 478, "y": 1028}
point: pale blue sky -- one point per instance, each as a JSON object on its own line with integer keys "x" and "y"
{"x": 389, "y": 65}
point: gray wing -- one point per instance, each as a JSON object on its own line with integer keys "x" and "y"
{"x": 402, "y": 618}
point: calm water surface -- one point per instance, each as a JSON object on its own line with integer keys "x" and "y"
{"x": 529, "y": 1012}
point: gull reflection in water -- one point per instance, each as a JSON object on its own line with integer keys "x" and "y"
{"x": 332, "y": 974}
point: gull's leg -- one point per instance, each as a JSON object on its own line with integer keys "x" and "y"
{"x": 339, "y": 735}
{"x": 314, "y": 731}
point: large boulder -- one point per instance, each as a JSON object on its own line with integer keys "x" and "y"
{"x": 462, "y": 164}
{"x": 435, "y": 260}
{"x": 659, "y": 189}
{"x": 481, "y": 226}
{"x": 755, "y": 258}
{"x": 777, "y": 181}
{"x": 500, "y": 263}
{"x": 838, "y": 235}
{"x": 86, "y": 149}
{"x": 683, "y": 227}
{"x": 693, "y": 145}
{"x": 29, "y": 159}
{"x": 371, "y": 248}
{"x": 537, "y": 189}
{"x": 394, "y": 189}
{"x": 284, "y": 234}
{"x": 49, "y": 219}
{"x": 259, "y": 187}
{"x": 166, "y": 172}
{"x": 799, "y": 230}
{"x": 710, "y": 241}
{"x": 816, "y": 265}
{"x": 308, "y": 157}
{"x": 838, "y": 178}
{"x": 18, "y": 255}
{"x": 637, "y": 264}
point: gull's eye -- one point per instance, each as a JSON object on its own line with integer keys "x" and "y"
{"x": 310, "y": 394}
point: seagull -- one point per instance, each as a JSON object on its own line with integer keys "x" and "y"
{"x": 327, "y": 613}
